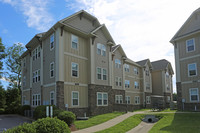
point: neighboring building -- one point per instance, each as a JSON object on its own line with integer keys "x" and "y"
{"x": 162, "y": 73}
{"x": 77, "y": 65}
{"x": 187, "y": 60}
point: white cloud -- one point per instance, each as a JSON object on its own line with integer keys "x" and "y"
{"x": 143, "y": 27}
{"x": 35, "y": 12}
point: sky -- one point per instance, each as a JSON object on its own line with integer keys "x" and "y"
{"x": 143, "y": 27}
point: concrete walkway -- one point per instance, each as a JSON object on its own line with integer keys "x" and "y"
{"x": 109, "y": 123}
{"x": 143, "y": 127}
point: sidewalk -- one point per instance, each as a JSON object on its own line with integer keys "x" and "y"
{"x": 109, "y": 123}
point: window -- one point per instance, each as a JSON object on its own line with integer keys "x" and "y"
{"x": 75, "y": 98}
{"x": 36, "y": 53}
{"x": 33, "y": 77}
{"x": 117, "y": 63}
{"x": 194, "y": 95}
{"x": 38, "y": 75}
{"x": 101, "y": 49}
{"x": 190, "y": 45}
{"x": 39, "y": 51}
{"x": 102, "y": 99}
{"x": 136, "y": 85}
{"x": 24, "y": 81}
{"x": 167, "y": 86}
{"x": 52, "y": 97}
{"x": 137, "y": 100}
{"x": 148, "y": 100}
{"x": 167, "y": 75}
{"x": 74, "y": 69}
{"x": 147, "y": 86}
{"x": 118, "y": 99}
{"x": 51, "y": 41}
{"x": 24, "y": 100}
{"x": 36, "y": 100}
{"x": 168, "y": 99}
{"x": 192, "y": 70}
{"x": 33, "y": 55}
{"x": 127, "y": 83}
{"x": 52, "y": 69}
{"x": 126, "y": 67}
{"x": 147, "y": 73}
{"x": 136, "y": 72}
{"x": 128, "y": 100}
{"x": 118, "y": 81}
{"x": 101, "y": 74}
{"x": 98, "y": 73}
{"x": 74, "y": 42}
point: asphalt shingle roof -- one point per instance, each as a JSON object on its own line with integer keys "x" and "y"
{"x": 160, "y": 64}
{"x": 142, "y": 62}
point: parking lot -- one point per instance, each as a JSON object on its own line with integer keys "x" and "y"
{"x": 9, "y": 121}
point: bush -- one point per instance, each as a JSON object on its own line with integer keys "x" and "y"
{"x": 56, "y": 112}
{"x": 67, "y": 117}
{"x": 2, "y": 110}
{"x": 25, "y": 128}
{"x": 23, "y": 108}
{"x": 51, "y": 125}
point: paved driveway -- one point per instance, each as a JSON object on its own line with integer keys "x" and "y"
{"x": 9, "y": 121}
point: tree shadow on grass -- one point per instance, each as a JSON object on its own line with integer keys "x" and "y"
{"x": 183, "y": 123}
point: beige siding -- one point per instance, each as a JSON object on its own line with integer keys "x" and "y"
{"x": 157, "y": 87}
{"x": 26, "y": 72}
{"x": 182, "y": 47}
{"x": 83, "y": 73}
{"x": 83, "y": 95}
{"x": 46, "y": 94}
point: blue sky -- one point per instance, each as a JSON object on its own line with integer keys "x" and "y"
{"x": 142, "y": 26}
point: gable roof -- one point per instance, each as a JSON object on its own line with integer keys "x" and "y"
{"x": 114, "y": 48}
{"x": 132, "y": 62}
{"x": 161, "y": 65}
{"x": 142, "y": 62}
{"x": 190, "y": 24}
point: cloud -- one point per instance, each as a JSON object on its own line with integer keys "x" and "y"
{"x": 142, "y": 27}
{"x": 35, "y": 12}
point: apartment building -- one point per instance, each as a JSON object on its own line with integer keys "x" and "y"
{"x": 76, "y": 65}
{"x": 187, "y": 52}
{"x": 162, "y": 86}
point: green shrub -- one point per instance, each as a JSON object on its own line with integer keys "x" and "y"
{"x": 67, "y": 117}
{"x": 51, "y": 125}
{"x": 40, "y": 111}
{"x": 25, "y": 128}
{"x": 56, "y": 112}
{"x": 2, "y": 110}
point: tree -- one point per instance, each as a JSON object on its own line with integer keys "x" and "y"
{"x": 174, "y": 97}
{"x": 13, "y": 63}
{"x": 2, "y": 97}
{"x": 2, "y": 56}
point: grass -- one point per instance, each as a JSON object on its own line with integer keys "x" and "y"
{"x": 95, "y": 120}
{"x": 178, "y": 123}
{"x": 125, "y": 125}
{"x": 137, "y": 110}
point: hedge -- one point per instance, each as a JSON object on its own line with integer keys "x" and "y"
{"x": 67, "y": 117}
{"x": 25, "y": 128}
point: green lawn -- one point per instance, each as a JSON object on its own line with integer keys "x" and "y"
{"x": 125, "y": 125}
{"x": 178, "y": 123}
{"x": 95, "y": 120}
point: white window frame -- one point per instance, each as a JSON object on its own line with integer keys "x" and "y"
{"x": 148, "y": 99}
{"x": 39, "y": 75}
{"x": 102, "y": 73}
{"x": 137, "y": 99}
{"x": 36, "y": 99}
{"x": 51, "y": 70}
{"x": 75, "y": 98}
{"x": 147, "y": 72}
{"x": 118, "y": 81}
{"x": 195, "y": 70}
{"x": 191, "y": 94}
{"x": 136, "y": 85}
{"x": 33, "y": 53}
{"x": 102, "y": 94}
{"x": 119, "y": 99}
{"x": 72, "y": 41}
{"x": 126, "y": 68}
{"x": 52, "y": 42}
{"x": 24, "y": 100}
{"x": 102, "y": 49}
{"x": 136, "y": 71}
{"x": 117, "y": 63}
{"x": 148, "y": 85}
{"x": 190, "y": 45}
{"x": 128, "y": 85}
{"x": 128, "y": 100}
{"x": 75, "y": 70}
{"x": 52, "y": 98}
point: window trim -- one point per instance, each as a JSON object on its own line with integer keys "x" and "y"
{"x": 118, "y": 63}
{"x": 102, "y": 74}
{"x": 128, "y": 84}
{"x": 72, "y": 35}
{"x": 51, "y": 70}
{"x": 138, "y": 97}
{"x": 187, "y": 45}
{"x": 126, "y": 99}
{"x": 72, "y": 103}
{"x": 102, "y": 93}
{"x": 138, "y": 86}
{"x": 195, "y": 70}
{"x": 148, "y": 100}
{"x": 77, "y": 70}
{"x": 191, "y": 95}
{"x": 118, "y": 81}
{"x": 126, "y": 68}
{"x": 120, "y": 98}
{"x": 102, "y": 50}
{"x": 36, "y": 99}
{"x": 136, "y": 71}
{"x": 51, "y": 42}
